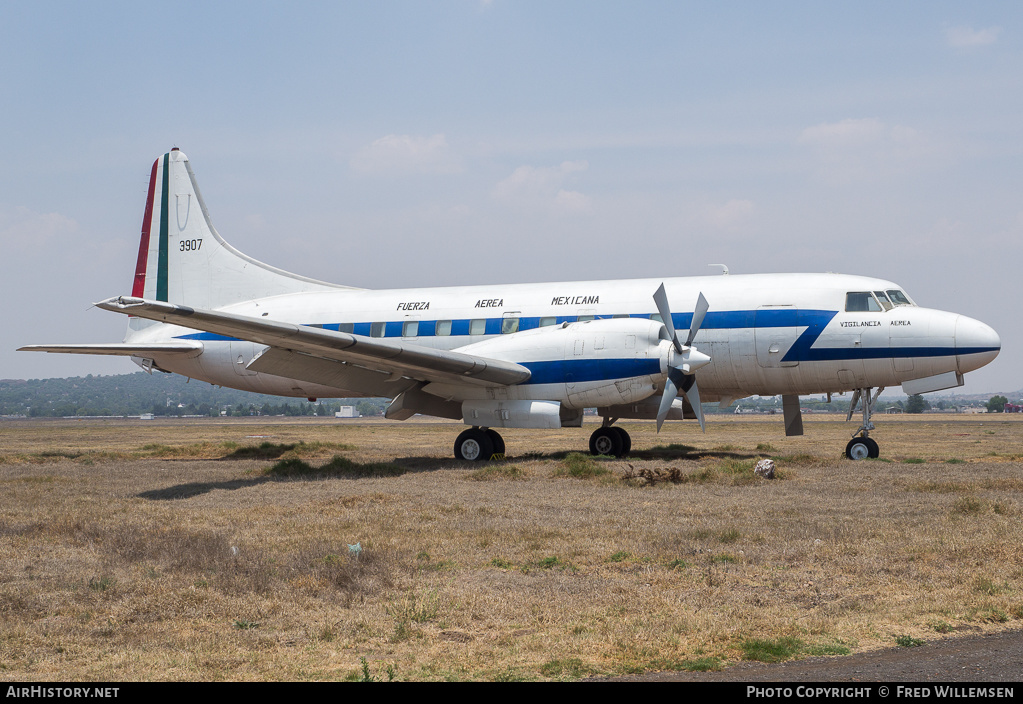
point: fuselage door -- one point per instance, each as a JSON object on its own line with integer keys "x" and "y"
{"x": 776, "y": 330}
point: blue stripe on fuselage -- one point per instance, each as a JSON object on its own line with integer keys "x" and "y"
{"x": 802, "y": 350}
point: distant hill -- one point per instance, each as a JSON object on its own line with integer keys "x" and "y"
{"x": 160, "y": 394}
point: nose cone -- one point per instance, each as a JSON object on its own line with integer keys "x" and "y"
{"x": 977, "y": 344}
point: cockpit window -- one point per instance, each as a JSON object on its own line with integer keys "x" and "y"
{"x": 861, "y": 302}
{"x": 899, "y": 298}
{"x": 883, "y": 300}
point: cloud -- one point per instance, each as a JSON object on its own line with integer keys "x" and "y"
{"x": 402, "y": 154}
{"x": 844, "y": 134}
{"x": 967, "y": 37}
{"x": 23, "y": 230}
{"x": 544, "y": 185}
{"x": 728, "y": 216}
{"x": 857, "y": 148}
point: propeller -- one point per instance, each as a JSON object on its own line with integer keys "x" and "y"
{"x": 682, "y": 374}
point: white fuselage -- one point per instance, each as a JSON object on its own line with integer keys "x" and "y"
{"x": 766, "y": 334}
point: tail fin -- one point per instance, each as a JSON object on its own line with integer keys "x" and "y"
{"x": 183, "y": 260}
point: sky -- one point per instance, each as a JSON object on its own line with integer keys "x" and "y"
{"x": 396, "y": 144}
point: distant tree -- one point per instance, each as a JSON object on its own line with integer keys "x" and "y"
{"x": 997, "y": 404}
{"x": 916, "y": 404}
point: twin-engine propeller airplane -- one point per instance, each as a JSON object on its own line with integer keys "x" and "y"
{"x": 524, "y": 355}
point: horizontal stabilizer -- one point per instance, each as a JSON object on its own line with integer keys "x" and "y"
{"x": 190, "y": 348}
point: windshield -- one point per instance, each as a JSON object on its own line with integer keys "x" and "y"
{"x": 899, "y": 298}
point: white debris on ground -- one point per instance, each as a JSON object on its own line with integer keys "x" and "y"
{"x": 765, "y": 469}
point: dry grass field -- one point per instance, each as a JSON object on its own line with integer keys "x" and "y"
{"x": 219, "y": 550}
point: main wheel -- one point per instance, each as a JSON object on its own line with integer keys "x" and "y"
{"x": 860, "y": 448}
{"x": 496, "y": 440}
{"x": 606, "y": 441}
{"x": 626, "y": 440}
{"x": 473, "y": 444}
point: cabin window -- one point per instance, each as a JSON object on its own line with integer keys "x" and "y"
{"x": 478, "y": 326}
{"x": 656, "y": 317}
{"x": 377, "y": 329}
{"x": 898, "y": 298}
{"x": 620, "y": 315}
{"x": 548, "y": 321}
{"x": 509, "y": 325}
{"x": 410, "y": 328}
{"x": 346, "y": 327}
{"x": 443, "y": 328}
{"x": 584, "y": 318}
{"x": 861, "y": 302}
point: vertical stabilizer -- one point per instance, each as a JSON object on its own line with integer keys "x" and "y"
{"x": 183, "y": 260}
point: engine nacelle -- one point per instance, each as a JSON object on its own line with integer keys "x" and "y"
{"x": 579, "y": 365}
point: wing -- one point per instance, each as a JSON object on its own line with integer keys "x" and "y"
{"x": 399, "y": 359}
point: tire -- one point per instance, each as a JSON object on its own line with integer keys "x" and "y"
{"x": 496, "y": 440}
{"x": 859, "y": 448}
{"x": 874, "y": 450}
{"x": 474, "y": 445}
{"x": 606, "y": 441}
{"x": 626, "y": 440}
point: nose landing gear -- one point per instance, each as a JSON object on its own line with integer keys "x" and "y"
{"x": 862, "y": 446}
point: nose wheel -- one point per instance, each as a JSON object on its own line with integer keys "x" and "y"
{"x": 861, "y": 447}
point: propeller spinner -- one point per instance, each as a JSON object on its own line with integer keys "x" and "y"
{"x": 682, "y": 373}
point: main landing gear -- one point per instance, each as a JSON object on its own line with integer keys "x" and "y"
{"x": 482, "y": 444}
{"x": 610, "y": 440}
{"x": 862, "y": 446}
{"x": 478, "y": 443}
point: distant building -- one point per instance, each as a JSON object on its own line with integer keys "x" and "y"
{"x": 1013, "y": 408}
{"x": 346, "y": 412}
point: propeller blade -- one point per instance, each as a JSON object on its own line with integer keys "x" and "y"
{"x": 698, "y": 314}
{"x": 682, "y": 376}
{"x": 692, "y": 392}
{"x": 671, "y": 386}
{"x": 661, "y": 300}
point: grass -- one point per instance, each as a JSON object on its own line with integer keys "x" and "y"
{"x": 905, "y": 641}
{"x": 295, "y": 468}
{"x": 786, "y": 648}
{"x": 580, "y": 466}
{"x": 495, "y": 471}
{"x": 775, "y": 650}
{"x": 227, "y": 450}
{"x": 193, "y": 551}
